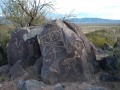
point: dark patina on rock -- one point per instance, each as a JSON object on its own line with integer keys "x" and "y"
{"x": 24, "y": 46}
{"x": 67, "y": 54}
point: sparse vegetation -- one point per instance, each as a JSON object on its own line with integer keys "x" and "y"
{"x": 5, "y": 33}
{"x": 104, "y": 35}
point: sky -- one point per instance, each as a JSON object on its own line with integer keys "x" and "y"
{"x": 107, "y": 9}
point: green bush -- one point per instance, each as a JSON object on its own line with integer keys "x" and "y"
{"x": 5, "y": 33}
{"x": 98, "y": 38}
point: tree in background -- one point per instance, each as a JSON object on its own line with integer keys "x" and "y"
{"x": 25, "y": 12}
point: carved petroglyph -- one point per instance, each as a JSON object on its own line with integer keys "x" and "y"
{"x": 70, "y": 63}
{"x": 52, "y": 42}
{"x": 65, "y": 53}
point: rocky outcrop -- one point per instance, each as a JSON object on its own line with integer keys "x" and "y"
{"x": 67, "y": 55}
{"x": 62, "y": 51}
{"x": 57, "y": 53}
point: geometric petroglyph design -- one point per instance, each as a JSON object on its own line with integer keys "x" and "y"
{"x": 53, "y": 46}
{"x": 52, "y": 42}
{"x": 70, "y": 63}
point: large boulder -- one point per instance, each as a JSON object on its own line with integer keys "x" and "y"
{"x": 33, "y": 85}
{"x": 24, "y": 46}
{"x": 67, "y": 53}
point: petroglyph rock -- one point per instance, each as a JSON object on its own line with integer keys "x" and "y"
{"x": 67, "y": 55}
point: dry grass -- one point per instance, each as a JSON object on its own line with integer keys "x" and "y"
{"x": 92, "y": 28}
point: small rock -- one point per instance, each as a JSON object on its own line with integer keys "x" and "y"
{"x": 33, "y": 85}
{"x": 58, "y": 87}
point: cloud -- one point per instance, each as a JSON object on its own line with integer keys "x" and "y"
{"x": 94, "y": 8}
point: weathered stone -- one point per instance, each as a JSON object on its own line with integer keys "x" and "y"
{"x": 58, "y": 87}
{"x": 67, "y": 54}
{"x": 4, "y": 69}
{"x": 33, "y": 85}
{"x": 17, "y": 72}
{"x": 24, "y": 46}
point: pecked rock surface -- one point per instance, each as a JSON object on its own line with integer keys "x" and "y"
{"x": 67, "y": 55}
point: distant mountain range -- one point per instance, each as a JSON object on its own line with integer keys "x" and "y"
{"x": 93, "y": 21}
{"x": 77, "y": 21}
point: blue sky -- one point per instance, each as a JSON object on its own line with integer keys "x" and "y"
{"x": 108, "y": 9}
